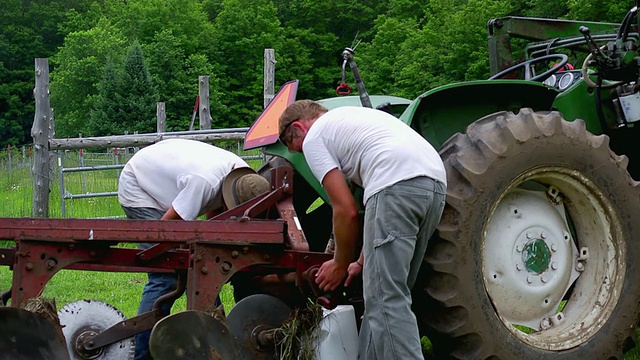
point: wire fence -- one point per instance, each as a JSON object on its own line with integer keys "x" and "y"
{"x": 83, "y": 183}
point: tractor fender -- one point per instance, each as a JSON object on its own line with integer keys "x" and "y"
{"x": 440, "y": 113}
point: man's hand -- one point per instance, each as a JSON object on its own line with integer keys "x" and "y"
{"x": 354, "y": 270}
{"x": 330, "y": 275}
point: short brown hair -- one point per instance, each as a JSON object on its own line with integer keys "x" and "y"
{"x": 300, "y": 110}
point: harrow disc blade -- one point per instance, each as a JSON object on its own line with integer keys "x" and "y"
{"x": 253, "y": 317}
{"x": 83, "y": 319}
{"x": 192, "y": 335}
{"x": 25, "y": 335}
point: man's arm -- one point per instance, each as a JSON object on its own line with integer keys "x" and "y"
{"x": 345, "y": 228}
{"x": 345, "y": 216}
{"x": 171, "y": 214}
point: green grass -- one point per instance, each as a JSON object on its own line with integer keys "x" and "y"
{"x": 122, "y": 290}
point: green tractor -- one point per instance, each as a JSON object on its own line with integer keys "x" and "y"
{"x": 534, "y": 257}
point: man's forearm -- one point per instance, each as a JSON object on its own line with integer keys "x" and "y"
{"x": 345, "y": 230}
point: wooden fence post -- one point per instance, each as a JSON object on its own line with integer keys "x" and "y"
{"x": 9, "y": 158}
{"x": 203, "y": 91}
{"x": 269, "y": 75}
{"x": 161, "y": 115}
{"x": 40, "y": 133}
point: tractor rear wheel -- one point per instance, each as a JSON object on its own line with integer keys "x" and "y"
{"x": 535, "y": 254}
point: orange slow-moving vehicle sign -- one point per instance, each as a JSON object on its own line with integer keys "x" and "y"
{"x": 265, "y": 130}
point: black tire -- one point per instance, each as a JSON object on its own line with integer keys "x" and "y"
{"x": 472, "y": 289}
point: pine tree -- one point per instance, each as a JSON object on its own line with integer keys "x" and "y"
{"x": 137, "y": 93}
{"x": 105, "y": 113}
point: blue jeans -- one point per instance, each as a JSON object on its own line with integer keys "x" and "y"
{"x": 158, "y": 284}
{"x": 399, "y": 220}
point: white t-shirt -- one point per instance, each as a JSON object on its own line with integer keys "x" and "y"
{"x": 371, "y": 148}
{"x": 185, "y": 174}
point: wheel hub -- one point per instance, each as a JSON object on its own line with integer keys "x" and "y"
{"x": 79, "y": 346}
{"x": 536, "y": 256}
{"x": 530, "y": 258}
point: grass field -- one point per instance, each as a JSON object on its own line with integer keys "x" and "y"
{"x": 121, "y": 290}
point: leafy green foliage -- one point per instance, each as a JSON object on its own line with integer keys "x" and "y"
{"x": 406, "y": 47}
{"x": 175, "y": 72}
{"x": 241, "y": 32}
{"x": 79, "y": 68}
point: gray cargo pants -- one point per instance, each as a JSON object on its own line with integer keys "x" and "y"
{"x": 399, "y": 221}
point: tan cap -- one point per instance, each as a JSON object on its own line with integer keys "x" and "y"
{"x": 241, "y": 185}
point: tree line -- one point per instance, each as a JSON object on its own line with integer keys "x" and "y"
{"x": 111, "y": 61}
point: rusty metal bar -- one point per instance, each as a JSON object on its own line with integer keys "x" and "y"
{"x": 297, "y": 240}
{"x": 151, "y": 231}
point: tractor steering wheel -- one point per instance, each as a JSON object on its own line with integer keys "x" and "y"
{"x": 527, "y": 67}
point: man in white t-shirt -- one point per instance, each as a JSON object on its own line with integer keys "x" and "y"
{"x": 178, "y": 179}
{"x": 404, "y": 184}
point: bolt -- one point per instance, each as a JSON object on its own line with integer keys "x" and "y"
{"x": 529, "y": 279}
{"x": 554, "y": 266}
{"x": 543, "y": 279}
{"x": 245, "y": 249}
{"x": 545, "y": 324}
{"x": 51, "y": 264}
{"x": 554, "y": 247}
{"x": 72, "y": 246}
{"x": 204, "y": 270}
{"x": 580, "y": 266}
{"x": 543, "y": 235}
{"x": 266, "y": 257}
{"x": 235, "y": 254}
{"x": 29, "y": 266}
{"x": 529, "y": 236}
{"x": 519, "y": 248}
{"x": 225, "y": 267}
{"x": 518, "y": 267}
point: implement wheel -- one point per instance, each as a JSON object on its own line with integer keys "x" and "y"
{"x": 535, "y": 254}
